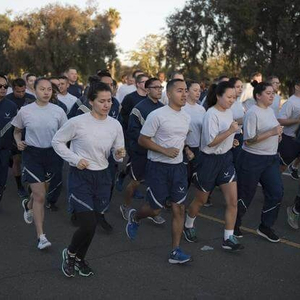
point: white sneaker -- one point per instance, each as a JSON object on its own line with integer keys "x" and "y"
{"x": 157, "y": 219}
{"x": 43, "y": 242}
{"x": 28, "y": 213}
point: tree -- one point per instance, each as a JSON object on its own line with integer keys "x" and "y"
{"x": 56, "y": 37}
{"x": 5, "y": 24}
{"x": 150, "y": 54}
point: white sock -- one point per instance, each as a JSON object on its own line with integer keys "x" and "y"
{"x": 189, "y": 222}
{"x": 227, "y": 234}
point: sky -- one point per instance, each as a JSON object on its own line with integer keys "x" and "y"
{"x": 139, "y": 17}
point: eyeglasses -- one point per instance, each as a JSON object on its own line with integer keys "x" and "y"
{"x": 156, "y": 87}
{"x": 5, "y": 86}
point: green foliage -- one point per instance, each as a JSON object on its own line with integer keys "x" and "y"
{"x": 56, "y": 37}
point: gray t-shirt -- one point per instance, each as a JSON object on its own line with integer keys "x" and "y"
{"x": 290, "y": 110}
{"x": 257, "y": 121}
{"x": 167, "y": 128}
{"x": 238, "y": 112}
{"x": 216, "y": 122}
{"x": 68, "y": 99}
{"x": 40, "y": 122}
{"x": 91, "y": 139}
{"x": 196, "y": 112}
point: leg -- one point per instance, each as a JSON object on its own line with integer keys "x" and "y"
{"x": 198, "y": 201}
{"x": 130, "y": 189}
{"x": 177, "y": 224}
{"x": 38, "y": 197}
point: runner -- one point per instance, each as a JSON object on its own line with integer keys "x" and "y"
{"x": 138, "y": 154}
{"x": 196, "y": 112}
{"x": 259, "y": 162}
{"x": 30, "y": 80}
{"x": 41, "y": 120}
{"x": 74, "y": 88}
{"x": 8, "y": 110}
{"x": 93, "y": 136}
{"x": 163, "y": 134}
{"x": 216, "y": 164}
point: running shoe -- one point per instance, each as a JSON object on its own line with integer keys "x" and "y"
{"x": 104, "y": 224}
{"x": 132, "y": 225}
{"x": 190, "y": 234}
{"x": 237, "y": 232}
{"x": 43, "y": 243}
{"x": 293, "y": 172}
{"x": 293, "y": 219}
{"x": 28, "y": 213}
{"x": 52, "y": 206}
{"x": 232, "y": 244}
{"x": 22, "y": 193}
{"x": 179, "y": 257}
{"x": 82, "y": 267}
{"x": 124, "y": 211}
{"x": 68, "y": 264}
{"x": 268, "y": 234}
{"x": 138, "y": 195}
{"x": 157, "y": 219}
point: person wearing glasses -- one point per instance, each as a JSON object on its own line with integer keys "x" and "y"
{"x": 274, "y": 81}
{"x": 41, "y": 120}
{"x": 138, "y": 154}
{"x": 8, "y": 110}
{"x": 164, "y": 134}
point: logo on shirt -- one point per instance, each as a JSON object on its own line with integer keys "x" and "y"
{"x": 48, "y": 174}
{"x": 7, "y": 116}
{"x": 226, "y": 174}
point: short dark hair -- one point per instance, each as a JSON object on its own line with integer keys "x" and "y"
{"x": 172, "y": 82}
{"x": 270, "y": 78}
{"x": 63, "y": 77}
{"x": 136, "y": 71}
{"x": 233, "y": 80}
{"x": 150, "y": 81}
{"x": 175, "y": 73}
{"x": 96, "y": 88}
{"x": 4, "y": 77}
{"x": 29, "y": 75}
{"x": 139, "y": 77}
{"x": 39, "y": 80}
{"x": 260, "y": 87}
{"x": 18, "y": 82}
{"x": 189, "y": 83}
{"x": 70, "y": 68}
{"x": 255, "y": 74}
{"x": 103, "y": 73}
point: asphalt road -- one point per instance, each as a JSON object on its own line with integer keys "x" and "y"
{"x": 139, "y": 269}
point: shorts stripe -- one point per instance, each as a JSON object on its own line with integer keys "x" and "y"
{"x": 132, "y": 174}
{"x": 231, "y": 179}
{"x": 265, "y": 211}
{"x": 157, "y": 203}
{"x": 55, "y": 188}
{"x": 80, "y": 202}
{"x": 242, "y": 203}
{"x": 182, "y": 200}
{"x": 31, "y": 174}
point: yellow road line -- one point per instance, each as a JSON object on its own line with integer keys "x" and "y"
{"x": 284, "y": 241}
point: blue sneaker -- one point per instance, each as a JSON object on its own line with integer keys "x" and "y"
{"x": 178, "y": 257}
{"x": 120, "y": 182}
{"x": 138, "y": 195}
{"x": 132, "y": 225}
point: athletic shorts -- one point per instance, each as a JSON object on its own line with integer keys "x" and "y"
{"x": 214, "y": 170}
{"x": 288, "y": 149}
{"x": 165, "y": 181}
{"x": 4, "y": 164}
{"x": 40, "y": 164}
{"x": 138, "y": 166}
{"x": 88, "y": 190}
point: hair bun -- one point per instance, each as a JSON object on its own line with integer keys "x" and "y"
{"x": 254, "y": 83}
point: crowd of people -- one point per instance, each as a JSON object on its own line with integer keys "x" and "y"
{"x": 170, "y": 135}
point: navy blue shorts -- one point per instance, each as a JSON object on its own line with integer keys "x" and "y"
{"x": 214, "y": 170}
{"x": 40, "y": 164}
{"x": 138, "y": 166}
{"x": 88, "y": 190}
{"x": 4, "y": 164}
{"x": 165, "y": 181}
{"x": 288, "y": 149}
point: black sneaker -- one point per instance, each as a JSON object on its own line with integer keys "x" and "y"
{"x": 83, "y": 269}
{"x": 68, "y": 264}
{"x": 232, "y": 244}
{"x": 52, "y": 206}
{"x": 237, "y": 232}
{"x": 294, "y": 172}
{"x": 268, "y": 234}
{"x": 190, "y": 234}
{"x": 104, "y": 224}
